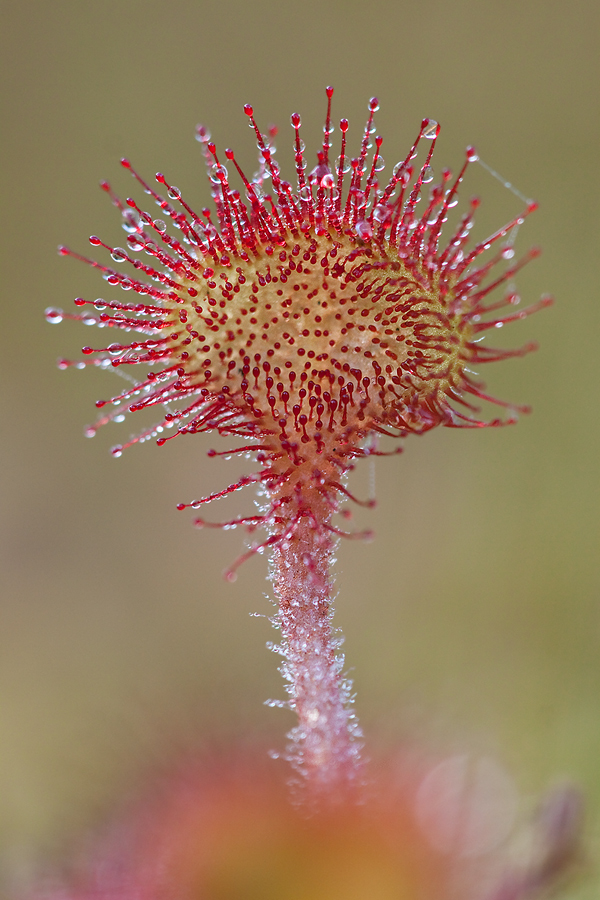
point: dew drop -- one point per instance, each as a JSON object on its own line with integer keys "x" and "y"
{"x": 202, "y": 134}
{"x": 160, "y": 225}
{"x": 174, "y": 193}
{"x": 118, "y": 254}
{"x": 255, "y": 192}
{"x": 364, "y": 230}
{"x": 402, "y": 173}
{"x": 382, "y": 213}
{"x": 427, "y": 175}
{"x": 131, "y": 221}
{"x": 508, "y": 253}
{"x": 430, "y": 129}
{"x": 342, "y": 169}
{"x": 117, "y": 451}
{"x": 327, "y": 181}
{"x": 54, "y": 316}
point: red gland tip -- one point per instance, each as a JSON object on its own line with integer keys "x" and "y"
{"x": 125, "y": 163}
{"x": 248, "y": 109}
{"x": 95, "y": 240}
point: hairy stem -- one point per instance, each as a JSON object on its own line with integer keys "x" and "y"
{"x": 325, "y": 745}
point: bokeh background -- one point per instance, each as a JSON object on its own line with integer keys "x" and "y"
{"x": 473, "y": 620}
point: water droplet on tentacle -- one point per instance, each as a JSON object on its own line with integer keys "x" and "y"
{"x": 430, "y": 129}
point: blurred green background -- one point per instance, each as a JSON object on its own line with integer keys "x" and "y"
{"x": 474, "y": 618}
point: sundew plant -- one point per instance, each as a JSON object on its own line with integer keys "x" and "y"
{"x": 303, "y": 322}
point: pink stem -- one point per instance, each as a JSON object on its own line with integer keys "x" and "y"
{"x": 325, "y": 744}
